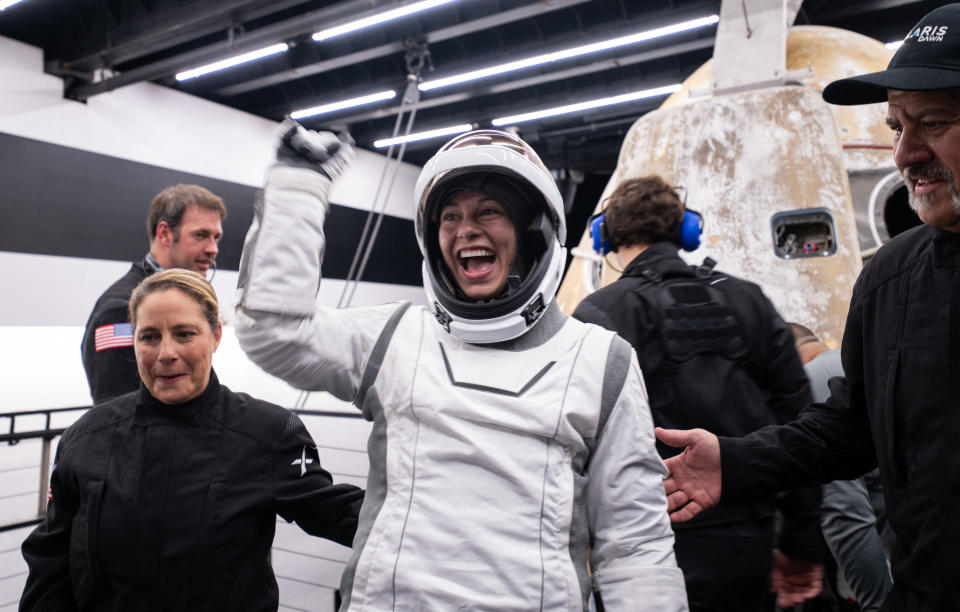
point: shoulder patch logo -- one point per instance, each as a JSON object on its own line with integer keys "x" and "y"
{"x": 303, "y": 461}
{"x": 115, "y": 335}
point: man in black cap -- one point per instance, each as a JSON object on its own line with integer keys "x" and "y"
{"x": 899, "y": 406}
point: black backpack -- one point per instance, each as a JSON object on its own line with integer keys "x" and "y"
{"x": 695, "y": 316}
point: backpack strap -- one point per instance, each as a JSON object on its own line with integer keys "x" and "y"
{"x": 705, "y": 269}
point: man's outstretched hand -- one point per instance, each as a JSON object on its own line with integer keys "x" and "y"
{"x": 694, "y": 481}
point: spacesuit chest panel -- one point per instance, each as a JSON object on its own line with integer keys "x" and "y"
{"x": 526, "y": 390}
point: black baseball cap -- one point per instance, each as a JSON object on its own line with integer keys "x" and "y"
{"x": 928, "y": 59}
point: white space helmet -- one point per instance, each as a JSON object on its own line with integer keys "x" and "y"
{"x": 507, "y": 169}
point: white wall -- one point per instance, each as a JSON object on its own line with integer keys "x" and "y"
{"x": 154, "y": 125}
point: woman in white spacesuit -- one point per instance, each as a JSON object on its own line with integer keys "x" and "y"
{"x": 507, "y": 438}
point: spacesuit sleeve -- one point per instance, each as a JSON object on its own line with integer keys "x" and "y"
{"x": 46, "y": 550}
{"x": 279, "y": 324}
{"x": 632, "y": 553}
{"x": 304, "y": 492}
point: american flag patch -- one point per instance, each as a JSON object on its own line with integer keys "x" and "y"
{"x": 113, "y": 336}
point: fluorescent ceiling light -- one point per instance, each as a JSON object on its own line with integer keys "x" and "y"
{"x": 453, "y": 129}
{"x": 581, "y": 106}
{"x": 894, "y": 45}
{"x": 568, "y": 53}
{"x": 5, "y": 4}
{"x": 373, "y": 20}
{"x": 232, "y": 61}
{"x": 335, "y": 106}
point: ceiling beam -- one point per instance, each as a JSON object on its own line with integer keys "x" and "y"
{"x": 176, "y": 28}
{"x": 483, "y": 23}
{"x": 300, "y": 25}
{"x": 557, "y": 75}
{"x": 372, "y": 133}
{"x": 594, "y": 126}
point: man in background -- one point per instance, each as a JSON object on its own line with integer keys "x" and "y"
{"x": 714, "y": 353}
{"x": 184, "y": 227}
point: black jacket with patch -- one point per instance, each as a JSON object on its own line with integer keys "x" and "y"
{"x": 173, "y": 507}
{"x": 113, "y": 371}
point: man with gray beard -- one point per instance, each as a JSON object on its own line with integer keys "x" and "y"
{"x": 899, "y": 406}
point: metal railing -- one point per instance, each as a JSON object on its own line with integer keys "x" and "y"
{"x": 46, "y": 435}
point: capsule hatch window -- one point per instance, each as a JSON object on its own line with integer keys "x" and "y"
{"x": 810, "y": 232}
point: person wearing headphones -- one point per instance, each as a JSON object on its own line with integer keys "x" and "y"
{"x": 714, "y": 354}
{"x": 507, "y": 438}
{"x": 184, "y": 224}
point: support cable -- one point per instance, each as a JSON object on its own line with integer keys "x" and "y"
{"x": 417, "y": 55}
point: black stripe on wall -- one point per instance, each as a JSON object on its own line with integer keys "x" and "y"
{"x": 63, "y": 201}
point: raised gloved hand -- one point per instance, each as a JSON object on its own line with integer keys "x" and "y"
{"x": 324, "y": 152}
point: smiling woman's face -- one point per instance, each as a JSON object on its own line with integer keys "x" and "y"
{"x": 174, "y": 345}
{"x": 478, "y": 243}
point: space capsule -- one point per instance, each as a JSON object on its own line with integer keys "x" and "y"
{"x": 794, "y": 191}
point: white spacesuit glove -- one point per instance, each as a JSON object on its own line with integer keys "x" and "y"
{"x": 283, "y": 251}
{"x": 323, "y": 152}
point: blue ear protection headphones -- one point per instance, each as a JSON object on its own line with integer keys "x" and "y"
{"x": 687, "y": 236}
{"x": 601, "y": 244}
